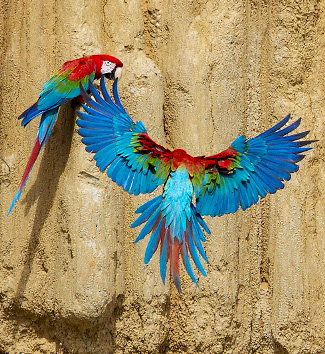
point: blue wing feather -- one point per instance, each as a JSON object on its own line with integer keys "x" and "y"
{"x": 263, "y": 163}
{"x": 110, "y": 133}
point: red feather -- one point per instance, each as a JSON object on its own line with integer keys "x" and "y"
{"x": 223, "y": 160}
{"x": 148, "y": 146}
{"x": 84, "y": 68}
{"x": 30, "y": 163}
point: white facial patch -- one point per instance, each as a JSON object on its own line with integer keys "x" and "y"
{"x": 107, "y": 67}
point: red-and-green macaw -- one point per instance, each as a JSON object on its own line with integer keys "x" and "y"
{"x": 62, "y": 87}
{"x": 221, "y": 183}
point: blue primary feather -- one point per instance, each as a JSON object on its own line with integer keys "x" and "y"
{"x": 117, "y": 97}
{"x": 109, "y": 102}
{"x": 187, "y": 264}
{"x": 153, "y": 243}
{"x": 163, "y": 258}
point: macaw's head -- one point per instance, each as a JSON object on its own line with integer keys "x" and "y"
{"x": 108, "y": 66}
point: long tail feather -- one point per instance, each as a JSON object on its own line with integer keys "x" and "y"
{"x": 175, "y": 241}
{"x": 44, "y": 131}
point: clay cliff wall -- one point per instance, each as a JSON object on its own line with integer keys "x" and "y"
{"x": 197, "y": 74}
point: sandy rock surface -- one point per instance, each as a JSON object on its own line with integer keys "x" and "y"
{"x": 197, "y": 74}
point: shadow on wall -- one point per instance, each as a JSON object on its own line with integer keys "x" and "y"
{"x": 53, "y": 162}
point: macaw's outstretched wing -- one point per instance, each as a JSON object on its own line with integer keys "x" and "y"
{"x": 249, "y": 169}
{"x": 121, "y": 147}
{"x": 62, "y": 87}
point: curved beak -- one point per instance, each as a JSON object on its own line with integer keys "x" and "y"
{"x": 118, "y": 73}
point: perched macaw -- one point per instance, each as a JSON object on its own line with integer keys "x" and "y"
{"x": 62, "y": 87}
{"x": 221, "y": 183}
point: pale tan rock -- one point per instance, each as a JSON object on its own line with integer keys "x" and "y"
{"x": 197, "y": 74}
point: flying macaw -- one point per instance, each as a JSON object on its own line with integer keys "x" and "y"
{"x": 61, "y": 88}
{"x": 221, "y": 183}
